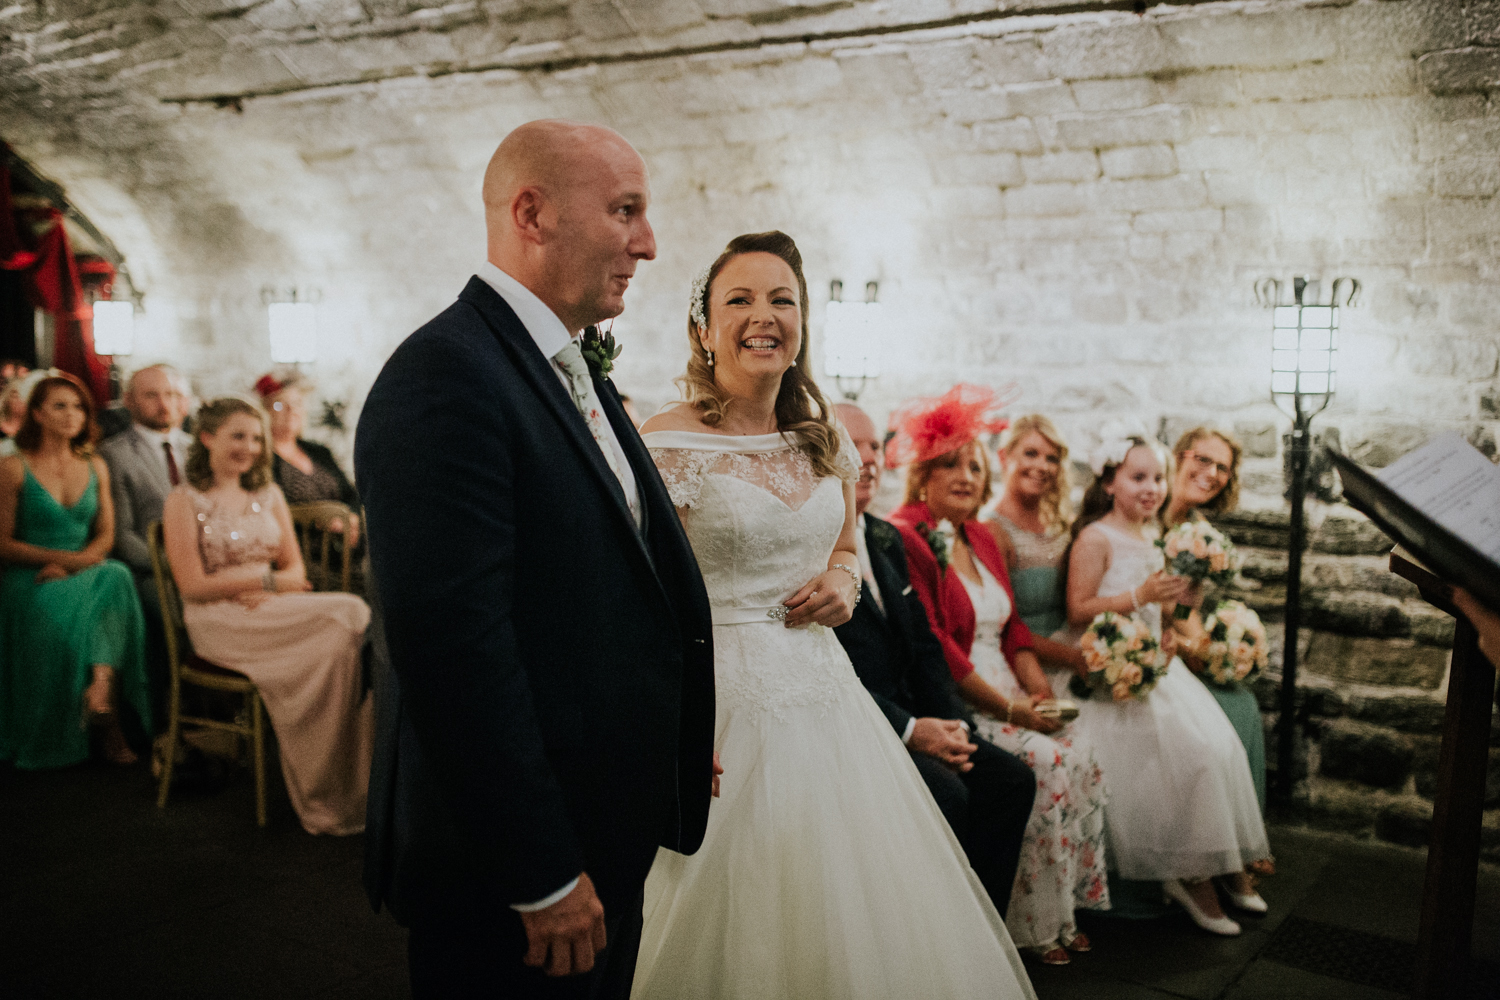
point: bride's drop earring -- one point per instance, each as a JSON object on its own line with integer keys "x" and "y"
{"x": 922, "y": 494}
{"x": 710, "y": 357}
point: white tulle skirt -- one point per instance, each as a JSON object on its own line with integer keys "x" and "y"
{"x": 1181, "y": 799}
{"x": 827, "y": 870}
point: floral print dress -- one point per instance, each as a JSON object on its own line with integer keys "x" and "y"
{"x": 1062, "y": 866}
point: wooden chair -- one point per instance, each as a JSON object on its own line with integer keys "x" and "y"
{"x": 311, "y": 522}
{"x": 189, "y": 668}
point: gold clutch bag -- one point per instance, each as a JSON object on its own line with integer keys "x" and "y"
{"x": 1060, "y": 709}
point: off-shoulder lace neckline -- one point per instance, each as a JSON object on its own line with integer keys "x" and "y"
{"x": 703, "y": 441}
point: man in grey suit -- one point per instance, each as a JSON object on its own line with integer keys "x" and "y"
{"x": 145, "y": 461}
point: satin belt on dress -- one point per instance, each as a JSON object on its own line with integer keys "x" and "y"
{"x": 773, "y": 614}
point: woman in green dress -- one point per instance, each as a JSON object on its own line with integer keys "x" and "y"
{"x": 1207, "y": 478}
{"x": 71, "y": 632}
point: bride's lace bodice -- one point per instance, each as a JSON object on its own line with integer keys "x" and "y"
{"x": 761, "y": 521}
{"x": 1131, "y": 561}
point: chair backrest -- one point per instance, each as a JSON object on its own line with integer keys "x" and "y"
{"x": 178, "y": 646}
{"x": 311, "y": 522}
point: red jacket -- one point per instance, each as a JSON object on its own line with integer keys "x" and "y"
{"x": 943, "y": 594}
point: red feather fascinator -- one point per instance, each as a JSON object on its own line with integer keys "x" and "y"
{"x": 268, "y": 385}
{"x": 931, "y": 426}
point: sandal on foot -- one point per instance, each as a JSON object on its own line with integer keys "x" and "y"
{"x": 1078, "y": 944}
{"x": 1050, "y": 954}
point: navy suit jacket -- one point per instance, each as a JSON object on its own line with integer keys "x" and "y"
{"x": 893, "y": 650}
{"x": 545, "y": 668}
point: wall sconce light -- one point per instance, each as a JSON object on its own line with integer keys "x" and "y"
{"x": 114, "y": 328}
{"x": 292, "y": 318}
{"x": 853, "y": 335}
{"x": 1304, "y": 366}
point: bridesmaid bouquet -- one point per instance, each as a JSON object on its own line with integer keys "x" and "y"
{"x": 1199, "y": 551}
{"x": 1236, "y": 647}
{"x": 1123, "y": 656}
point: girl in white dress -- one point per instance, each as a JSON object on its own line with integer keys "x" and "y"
{"x": 1182, "y": 806}
{"x": 827, "y": 870}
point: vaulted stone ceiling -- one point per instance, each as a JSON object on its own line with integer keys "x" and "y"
{"x": 1037, "y": 185}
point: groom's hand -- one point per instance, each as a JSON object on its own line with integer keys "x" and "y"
{"x": 566, "y": 935}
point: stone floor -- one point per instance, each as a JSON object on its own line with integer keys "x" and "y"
{"x": 103, "y": 896}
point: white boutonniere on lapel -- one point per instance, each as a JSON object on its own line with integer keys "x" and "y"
{"x": 599, "y": 351}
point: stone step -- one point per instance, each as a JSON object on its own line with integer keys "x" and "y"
{"x": 1336, "y": 529}
{"x": 1355, "y": 613}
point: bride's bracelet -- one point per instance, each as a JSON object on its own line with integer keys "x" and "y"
{"x": 859, "y": 582}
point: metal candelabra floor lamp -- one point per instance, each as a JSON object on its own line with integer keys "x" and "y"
{"x": 1304, "y": 365}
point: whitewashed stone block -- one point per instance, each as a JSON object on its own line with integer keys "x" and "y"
{"x": 1160, "y": 124}
{"x": 1139, "y": 161}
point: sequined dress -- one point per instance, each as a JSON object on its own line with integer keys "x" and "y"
{"x": 827, "y": 870}
{"x": 303, "y": 653}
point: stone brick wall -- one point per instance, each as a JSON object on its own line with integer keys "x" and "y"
{"x": 1078, "y": 203}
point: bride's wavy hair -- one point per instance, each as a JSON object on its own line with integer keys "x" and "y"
{"x": 801, "y": 408}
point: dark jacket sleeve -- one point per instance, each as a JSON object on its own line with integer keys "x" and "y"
{"x": 932, "y": 688}
{"x": 323, "y": 457}
{"x": 899, "y": 716}
{"x": 442, "y": 512}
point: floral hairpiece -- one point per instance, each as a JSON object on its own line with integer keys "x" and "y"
{"x": 927, "y": 428}
{"x": 696, "y": 310}
{"x": 1116, "y": 439}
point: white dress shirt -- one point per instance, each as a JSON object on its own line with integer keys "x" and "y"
{"x": 550, "y": 336}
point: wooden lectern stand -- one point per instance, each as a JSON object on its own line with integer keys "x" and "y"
{"x": 1446, "y": 933}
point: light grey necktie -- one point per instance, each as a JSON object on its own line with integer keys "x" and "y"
{"x": 570, "y": 362}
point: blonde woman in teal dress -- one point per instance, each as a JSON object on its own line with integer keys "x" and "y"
{"x": 1031, "y": 524}
{"x": 1207, "y": 478}
{"x": 71, "y": 633}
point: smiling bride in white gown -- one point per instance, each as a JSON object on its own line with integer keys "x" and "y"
{"x": 827, "y": 870}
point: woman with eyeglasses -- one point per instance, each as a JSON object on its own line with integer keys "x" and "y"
{"x": 1207, "y": 479}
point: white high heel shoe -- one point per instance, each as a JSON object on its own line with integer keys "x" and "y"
{"x": 1251, "y": 903}
{"x": 1174, "y": 891}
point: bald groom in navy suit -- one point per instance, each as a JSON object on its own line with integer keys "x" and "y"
{"x": 546, "y": 697}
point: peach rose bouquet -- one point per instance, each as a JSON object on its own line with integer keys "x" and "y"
{"x": 1236, "y": 646}
{"x": 1199, "y": 551}
{"x": 1122, "y": 655}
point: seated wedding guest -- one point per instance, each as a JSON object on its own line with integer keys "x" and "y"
{"x": 1208, "y": 479}
{"x": 70, "y": 623}
{"x": 235, "y": 559}
{"x": 965, "y": 587}
{"x": 629, "y": 404}
{"x": 13, "y": 399}
{"x": 1182, "y": 806}
{"x": 985, "y": 793}
{"x": 305, "y": 470}
{"x": 145, "y": 462}
{"x": 1031, "y": 527}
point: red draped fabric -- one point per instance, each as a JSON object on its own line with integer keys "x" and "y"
{"x": 57, "y": 288}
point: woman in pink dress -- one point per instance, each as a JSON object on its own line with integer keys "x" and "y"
{"x": 233, "y": 553}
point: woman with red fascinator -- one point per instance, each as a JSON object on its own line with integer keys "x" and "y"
{"x": 958, "y": 570}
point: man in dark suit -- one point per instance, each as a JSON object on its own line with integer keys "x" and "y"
{"x": 547, "y": 717}
{"x": 985, "y": 793}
